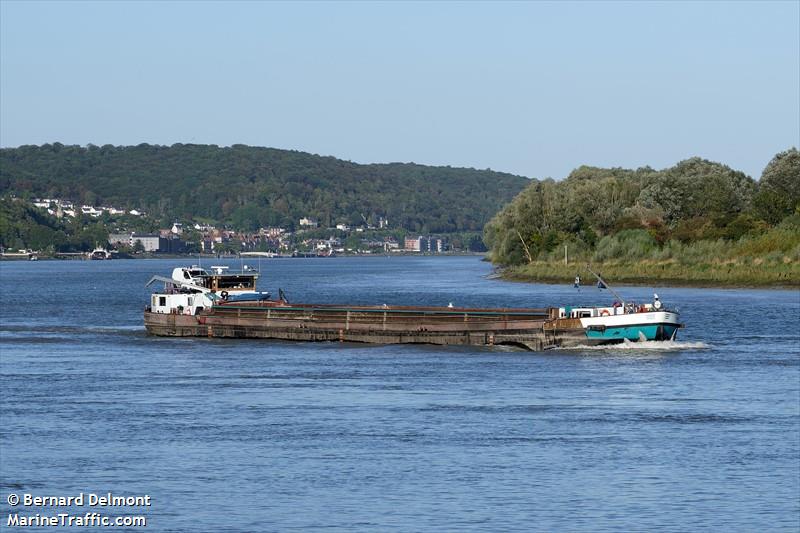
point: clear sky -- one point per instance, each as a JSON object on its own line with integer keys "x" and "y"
{"x": 531, "y": 88}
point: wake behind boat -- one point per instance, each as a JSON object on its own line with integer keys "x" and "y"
{"x": 197, "y": 303}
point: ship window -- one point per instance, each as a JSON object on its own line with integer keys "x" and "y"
{"x": 191, "y": 301}
{"x": 236, "y": 282}
{"x": 162, "y": 301}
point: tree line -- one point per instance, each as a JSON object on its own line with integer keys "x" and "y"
{"x": 607, "y": 213}
{"x": 24, "y": 227}
{"x": 244, "y": 187}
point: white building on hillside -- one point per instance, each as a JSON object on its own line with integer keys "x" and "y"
{"x": 308, "y": 223}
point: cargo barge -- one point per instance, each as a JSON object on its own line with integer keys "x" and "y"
{"x": 196, "y": 303}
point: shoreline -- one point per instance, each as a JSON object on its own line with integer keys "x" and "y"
{"x": 621, "y": 275}
{"x": 668, "y": 283}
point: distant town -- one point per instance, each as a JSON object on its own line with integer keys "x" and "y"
{"x": 307, "y": 239}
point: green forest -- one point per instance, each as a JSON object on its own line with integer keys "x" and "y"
{"x": 245, "y": 187}
{"x": 698, "y": 221}
{"x": 23, "y": 226}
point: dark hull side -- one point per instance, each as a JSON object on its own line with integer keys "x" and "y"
{"x": 532, "y": 329}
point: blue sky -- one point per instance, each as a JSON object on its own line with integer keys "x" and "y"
{"x": 531, "y": 88}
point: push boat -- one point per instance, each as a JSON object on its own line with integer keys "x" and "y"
{"x": 100, "y": 254}
{"x": 224, "y": 304}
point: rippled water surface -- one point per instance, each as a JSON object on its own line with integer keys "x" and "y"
{"x": 236, "y": 435}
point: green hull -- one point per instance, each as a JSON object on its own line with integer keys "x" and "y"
{"x": 651, "y": 332}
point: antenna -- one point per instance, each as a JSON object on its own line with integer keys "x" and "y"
{"x": 620, "y": 298}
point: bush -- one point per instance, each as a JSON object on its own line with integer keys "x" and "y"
{"x": 628, "y": 222}
{"x": 741, "y": 226}
{"x": 781, "y": 238}
{"x": 627, "y": 244}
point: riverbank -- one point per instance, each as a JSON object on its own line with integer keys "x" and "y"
{"x": 731, "y": 273}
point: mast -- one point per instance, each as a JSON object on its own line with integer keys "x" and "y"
{"x": 607, "y": 286}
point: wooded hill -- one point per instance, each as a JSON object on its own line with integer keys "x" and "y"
{"x": 248, "y": 187}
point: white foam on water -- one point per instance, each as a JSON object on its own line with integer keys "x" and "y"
{"x": 116, "y": 328}
{"x": 646, "y": 345}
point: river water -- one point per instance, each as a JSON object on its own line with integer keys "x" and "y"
{"x": 702, "y": 434}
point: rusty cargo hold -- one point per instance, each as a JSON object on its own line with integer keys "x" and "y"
{"x": 533, "y": 329}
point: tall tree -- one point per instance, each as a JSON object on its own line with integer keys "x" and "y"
{"x": 779, "y": 187}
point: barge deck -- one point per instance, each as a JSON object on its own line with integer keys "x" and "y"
{"x": 533, "y": 329}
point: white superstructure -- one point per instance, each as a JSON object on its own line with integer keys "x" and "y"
{"x": 192, "y": 289}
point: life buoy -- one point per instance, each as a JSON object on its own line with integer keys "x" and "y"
{"x": 224, "y": 295}
{"x": 604, "y": 312}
